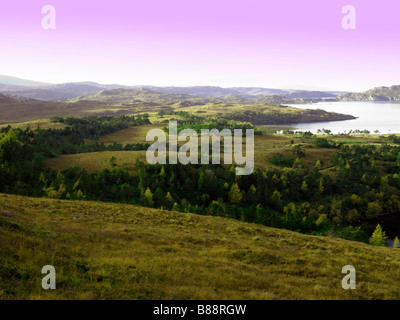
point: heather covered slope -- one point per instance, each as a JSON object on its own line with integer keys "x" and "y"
{"x": 110, "y": 251}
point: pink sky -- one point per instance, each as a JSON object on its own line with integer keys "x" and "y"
{"x": 277, "y": 44}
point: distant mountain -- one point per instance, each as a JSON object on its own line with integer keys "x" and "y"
{"x": 213, "y": 91}
{"x": 135, "y": 96}
{"x": 129, "y": 96}
{"x": 14, "y": 81}
{"x": 78, "y": 90}
{"x": 243, "y": 92}
{"x": 376, "y": 94}
{"x": 56, "y": 92}
{"x": 281, "y": 99}
{"x": 257, "y": 91}
{"x": 198, "y": 91}
{"x": 308, "y": 94}
{"x": 82, "y": 89}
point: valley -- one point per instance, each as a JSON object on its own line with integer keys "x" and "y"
{"x": 75, "y": 183}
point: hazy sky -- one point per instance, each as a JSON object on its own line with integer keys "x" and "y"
{"x": 276, "y": 44}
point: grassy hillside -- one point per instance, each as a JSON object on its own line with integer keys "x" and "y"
{"x": 130, "y": 252}
{"x": 14, "y": 111}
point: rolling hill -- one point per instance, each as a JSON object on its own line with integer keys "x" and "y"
{"x": 117, "y": 251}
{"x": 133, "y": 101}
{"x": 7, "y": 99}
{"x": 123, "y": 95}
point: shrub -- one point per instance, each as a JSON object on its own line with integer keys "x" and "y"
{"x": 282, "y": 161}
{"x": 352, "y": 233}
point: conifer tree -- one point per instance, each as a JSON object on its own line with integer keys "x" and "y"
{"x": 169, "y": 197}
{"x": 304, "y": 186}
{"x": 200, "y": 182}
{"x": 148, "y": 198}
{"x": 379, "y": 237}
{"x": 162, "y": 172}
{"x": 396, "y": 242}
{"x": 321, "y": 187}
{"x": 235, "y": 196}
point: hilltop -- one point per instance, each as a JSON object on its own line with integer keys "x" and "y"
{"x": 116, "y": 251}
{"x": 14, "y": 81}
{"x": 55, "y": 92}
{"x": 202, "y": 95}
{"x": 376, "y": 94}
{"x": 120, "y": 95}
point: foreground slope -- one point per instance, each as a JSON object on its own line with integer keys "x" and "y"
{"x": 123, "y": 251}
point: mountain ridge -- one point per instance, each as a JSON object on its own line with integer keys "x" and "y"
{"x": 73, "y": 90}
{"x": 382, "y": 93}
{"x": 79, "y": 90}
{"x": 15, "y": 81}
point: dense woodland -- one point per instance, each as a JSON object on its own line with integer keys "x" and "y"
{"x": 366, "y": 185}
